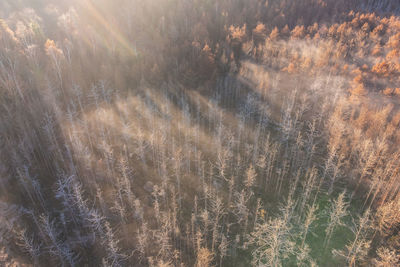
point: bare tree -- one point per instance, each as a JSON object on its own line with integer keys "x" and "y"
{"x": 272, "y": 242}
{"x": 337, "y": 211}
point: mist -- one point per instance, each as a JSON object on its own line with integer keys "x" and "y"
{"x": 200, "y": 133}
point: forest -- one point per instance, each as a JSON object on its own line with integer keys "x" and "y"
{"x": 199, "y": 133}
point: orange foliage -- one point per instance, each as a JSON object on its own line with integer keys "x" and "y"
{"x": 379, "y": 30}
{"x": 306, "y": 63}
{"x": 362, "y": 121}
{"x": 376, "y": 51}
{"x": 394, "y": 41}
{"x": 358, "y": 87}
{"x": 208, "y": 53}
{"x": 238, "y": 33}
{"x": 6, "y": 34}
{"x": 260, "y": 29}
{"x": 396, "y": 118}
{"x": 393, "y": 54}
{"x": 384, "y": 68}
{"x": 313, "y": 29}
{"x": 291, "y": 68}
{"x": 397, "y": 92}
{"x": 365, "y": 27}
{"x": 51, "y": 48}
{"x": 388, "y": 91}
{"x": 274, "y": 34}
{"x": 333, "y": 30}
{"x": 341, "y": 30}
{"x": 298, "y": 32}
